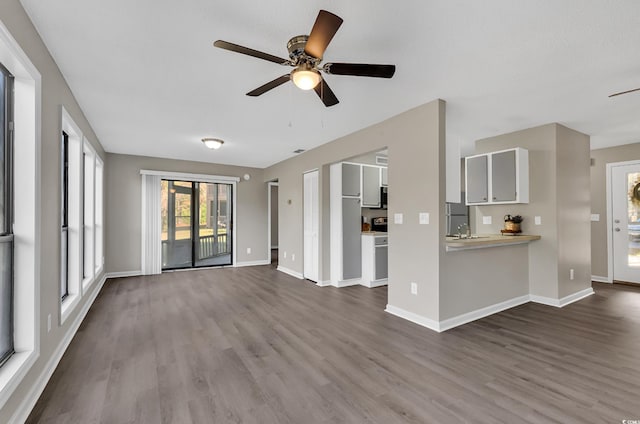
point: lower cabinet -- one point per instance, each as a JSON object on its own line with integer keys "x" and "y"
{"x": 375, "y": 268}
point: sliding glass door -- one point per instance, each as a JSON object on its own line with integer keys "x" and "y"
{"x": 196, "y": 224}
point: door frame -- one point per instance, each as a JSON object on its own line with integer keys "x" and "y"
{"x": 269, "y": 185}
{"x": 184, "y": 176}
{"x": 317, "y": 188}
{"x": 609, "y": 197}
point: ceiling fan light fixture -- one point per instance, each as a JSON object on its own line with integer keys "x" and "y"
{"x": 213, "y": 143}
{"x": 305, "y": 78}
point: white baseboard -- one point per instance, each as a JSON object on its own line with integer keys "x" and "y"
{"x": 415, "y": 318}
{"x": 450, "y": 323}
{"x": 290, "y": 272}
{"x": 599, "y": 279}
{"x": 324, "y": 283}
{"x": 24, "y": 409}
{"x": 122, "y": 274}
{"x": 252, "y": 263}
{"x": 348, "y": 283}
{"x": 376, "y": 283}
{"x": 559, "y": 303}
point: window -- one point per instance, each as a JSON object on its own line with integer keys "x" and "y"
{"x": 71, "y": 235}
{"x": 64, "y": 237}
{"x": 92, "y": 180}
{"x": 98, "y": 227}
{"x": 24, "y": 159}
{"x": 6, "y": 214}
{"x": 87, "y": 216}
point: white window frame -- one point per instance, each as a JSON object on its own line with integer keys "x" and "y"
{"x": 99, "y": 216}
{"x": 88, "y": 222}
{"x": 26, "y": 226}
{"x": 75, "y": 239}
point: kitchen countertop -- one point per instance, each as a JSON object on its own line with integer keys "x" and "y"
{"x": 487, "y": 240}
{"x": 373, "y": 233}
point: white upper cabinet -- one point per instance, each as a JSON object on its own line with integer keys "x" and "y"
{"x": 384, "y": 177}
{"x": 350, "y": 179}
{"x": 497, "y": 177}
{"x": 370, "y": 186}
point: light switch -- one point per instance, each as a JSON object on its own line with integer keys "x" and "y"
{"x": 424, "y": 218}
{"x": 538, "y": 220}
{"x": 486, "y": 220}
{"x": 397, "y": 218}
{"x": 595, "y": 217}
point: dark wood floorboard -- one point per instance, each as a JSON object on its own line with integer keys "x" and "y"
{"x": 253, "y": 345}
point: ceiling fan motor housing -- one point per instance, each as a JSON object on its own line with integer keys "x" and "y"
{"x": 296, "y": 46}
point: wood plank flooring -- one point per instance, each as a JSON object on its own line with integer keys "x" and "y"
{"x": 253, "y": 345}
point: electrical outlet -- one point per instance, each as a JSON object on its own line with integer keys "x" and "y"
{"x": 423, "y": 218}
{"x": 397, "y": 218}
{"x": 486, "y": 220}
{"x": 248, "y": 250}
{"x": 414, "y": 288}
{"x": 538, "y": 220}
{"x": 284, "y": 255}
{"x": 571, "y": 274}
{"x": 293, "y": 257}
{"x": 48, "y": 323}
{"x": 595, "y": 217}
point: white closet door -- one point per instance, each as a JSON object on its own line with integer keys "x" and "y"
{"x": 311, "y": 226}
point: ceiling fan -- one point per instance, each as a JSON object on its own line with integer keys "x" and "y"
{"x": 305, "y": 55}
{"x": 624, "y": 92}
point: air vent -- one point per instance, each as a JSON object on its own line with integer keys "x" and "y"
{"x": 298, "y": 151}
{"x": 382, "y": 160}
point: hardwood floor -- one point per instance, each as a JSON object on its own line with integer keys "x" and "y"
{"x": 253, "y": 345}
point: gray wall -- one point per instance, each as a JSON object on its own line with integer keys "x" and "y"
{"x": 55, "y": 93}
{"x": 601, "y": 157}
{"x": 416, "y": 184}
{"x": 559, "y": 194}
{"x": 123, "y": 210}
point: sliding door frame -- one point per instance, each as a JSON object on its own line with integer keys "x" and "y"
{"x": 200, "y": 178}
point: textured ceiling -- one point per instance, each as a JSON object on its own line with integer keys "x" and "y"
{"x": 151, "y": 83}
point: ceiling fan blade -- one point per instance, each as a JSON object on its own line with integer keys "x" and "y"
{"x": 323, "y": 30}
{"x": 326, "y": 94}
{"x": 624, "y": 92}
{"x": 250, "y": 52}
{"x": 269, "y": 86}
{"x": 360, "y": 69}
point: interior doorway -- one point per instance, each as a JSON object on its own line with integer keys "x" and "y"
{"x": 624, "y": 221}
{"x": 197, "y": 219}
{"x": 273, "y": 230}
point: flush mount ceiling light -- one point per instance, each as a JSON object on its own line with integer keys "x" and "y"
{"x": 305, "y": 77}
{"x": 213, "y": 143}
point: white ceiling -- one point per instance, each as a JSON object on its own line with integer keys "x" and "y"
{"x": 151, "y": 83}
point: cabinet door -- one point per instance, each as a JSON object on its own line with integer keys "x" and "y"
{"x": 384, "y": 177}
{"x": 503, "y": 176}
{"x": 382, "y": 265}
{"x": 370, "y": 186}
{"x": 477, "y": 179}
{"x": 350, "y": 179}
{"x": 351, "y": 239}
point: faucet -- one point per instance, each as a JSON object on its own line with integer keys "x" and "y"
{"x": 466, "y": 232}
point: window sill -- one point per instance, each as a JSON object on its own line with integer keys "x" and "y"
{"x": 13, "y": 371}
{"x": 68, "y": 305}
{"x": 86, "y": 283}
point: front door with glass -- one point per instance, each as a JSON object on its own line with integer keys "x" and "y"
{"x": 625, "y": 214}
{"x": 196, "y": 224}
